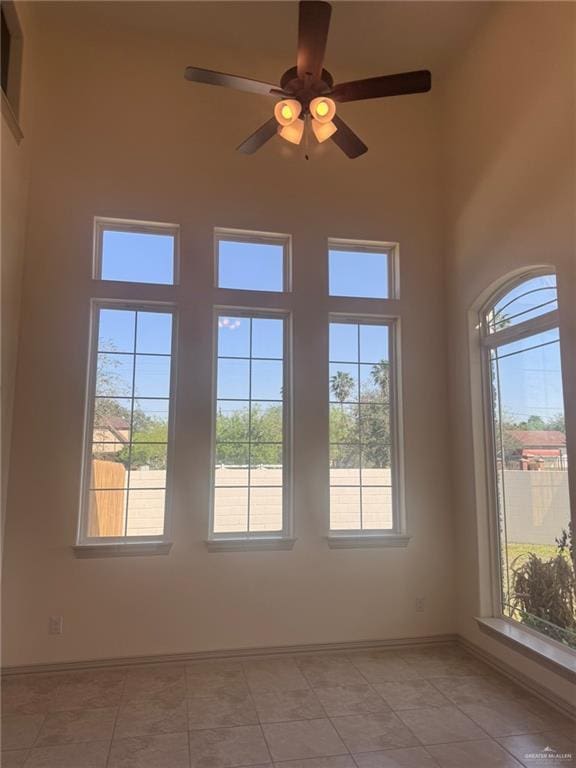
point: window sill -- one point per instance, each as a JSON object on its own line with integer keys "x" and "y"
{"x": 361, "y": 541}
{"x": 547, "y": 652}
{"x": 11, "y": 119}
{"x": 123, "y": 549}
{"x": 240, "y": 544}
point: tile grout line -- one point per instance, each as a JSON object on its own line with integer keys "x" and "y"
{"x": 307, "y": 720}
{"x": 116, "y": 719}
{"x": 186, "y": 696}
{"x": 409, "y": 666}
{"x": 488, "y": 735}
{"x": 251, "y": 697}
{"x": 370, "y": 685}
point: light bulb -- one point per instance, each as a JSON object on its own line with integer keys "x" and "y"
{"x": 293, "y": 132}
{"x": 287, "y": 111}
{"x": 322, "y": 109}
{"x": 323, "y": 131}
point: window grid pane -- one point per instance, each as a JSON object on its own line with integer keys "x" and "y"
{"x": 525, "y": 301}
{"x": 127, "y": 478}
{"x": 531, "y": 475}
{"x": 360, "y": 433}
{"x": 249, "y": 461}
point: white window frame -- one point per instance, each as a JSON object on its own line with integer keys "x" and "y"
{"x": 87, "y": 546}
{"x": 397, "y": 535}
{"x": 257, "y": 539}
{"x": 11, "y": 99}
{"x": 389, "y": 249}
{"x": 104, "y": 224}
{"x": 257, "y": 238}
{"x": 386, "y": 311}
{"x": 487, "y": 342}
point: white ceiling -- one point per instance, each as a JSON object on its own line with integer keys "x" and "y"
{"x": 366, "y": 38}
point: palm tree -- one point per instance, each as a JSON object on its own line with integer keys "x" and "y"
{"x": 341, "y": 385}
{"x": 381, "y": 377}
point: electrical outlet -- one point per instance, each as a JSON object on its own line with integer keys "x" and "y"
{"x": 55, "y": 624}
{"x": 419, "y": 604}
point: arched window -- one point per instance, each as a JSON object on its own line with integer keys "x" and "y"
{"x": 527, "y": 455}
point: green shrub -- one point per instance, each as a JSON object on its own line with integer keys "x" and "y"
{"x": 544, "y": 593}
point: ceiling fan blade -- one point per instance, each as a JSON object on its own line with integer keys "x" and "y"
{"x": 313, "y": 24}
{"x": 386, "y": 85}
{"x": 259, "y": 137}
{"x": 208, "y": 76}
{"x": 347, "y": 140}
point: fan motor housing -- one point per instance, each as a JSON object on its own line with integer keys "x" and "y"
{"x": 306, "y": 90}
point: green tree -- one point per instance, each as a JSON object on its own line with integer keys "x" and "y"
{"x": 557, "y": 422}
{"x": 148, "y": 448}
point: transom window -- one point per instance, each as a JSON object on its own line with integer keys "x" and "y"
{"x": 252, "y": 262}
{"x": 135, "y": 252}
{"x": 362, "y": 270}
{"x": 529, "y": 460}
{"x": 534, "y": 297}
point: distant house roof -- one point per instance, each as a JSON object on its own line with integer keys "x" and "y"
{"x": 113, "y": 422}
{"x": 538, "y": 438}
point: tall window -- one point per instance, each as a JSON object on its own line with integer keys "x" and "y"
{"x": 251, "y": 445}
{"x": 365, "y": 488}
{"x": 360, "y": 434}
{"x": 521, "y": 339}
{"x": 251, "y": 475}
{"x": 128, "y": 444}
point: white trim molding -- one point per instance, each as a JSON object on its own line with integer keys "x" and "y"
{"x": 239, "y": 654}
{"x": 545, "y": 694}
{"x": 11, "y": 120}
{"x": 122, "y": 549}
{"x": 249, "y": 543}
{"x": 366, "y": 540}
{"x": 558, "y": 658}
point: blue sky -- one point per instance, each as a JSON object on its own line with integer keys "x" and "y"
{"x": 142, "y": 258}
{"x": 530, "y": 383}
{"x": 530, "y": 369}
{"x": 118, "y": 335}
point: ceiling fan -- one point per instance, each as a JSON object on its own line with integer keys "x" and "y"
{"x": 307, "y": 94}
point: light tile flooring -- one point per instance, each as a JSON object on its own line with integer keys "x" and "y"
{"x": 433, "y": 707}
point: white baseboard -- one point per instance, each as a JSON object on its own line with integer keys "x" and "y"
{"x": 236, "y": 654}
{"x": 545, "y": 694}
{"x": 524, "y": 681}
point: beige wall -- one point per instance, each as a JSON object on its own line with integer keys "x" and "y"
{"x": 122, "y": 134}
{"x": 508, "y": 114}
{"x": 15, "y": 183}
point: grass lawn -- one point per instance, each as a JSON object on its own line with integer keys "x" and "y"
{"x": 543, "y": 551}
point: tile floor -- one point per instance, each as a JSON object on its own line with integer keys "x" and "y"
{"x": 434, "y": 707}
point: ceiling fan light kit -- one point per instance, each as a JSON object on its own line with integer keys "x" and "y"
{"x": 307, "y": 92}
{"x": 323, "y": 131}
{"x": 287, "y": 111}
{"x": 293, "y": 132}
